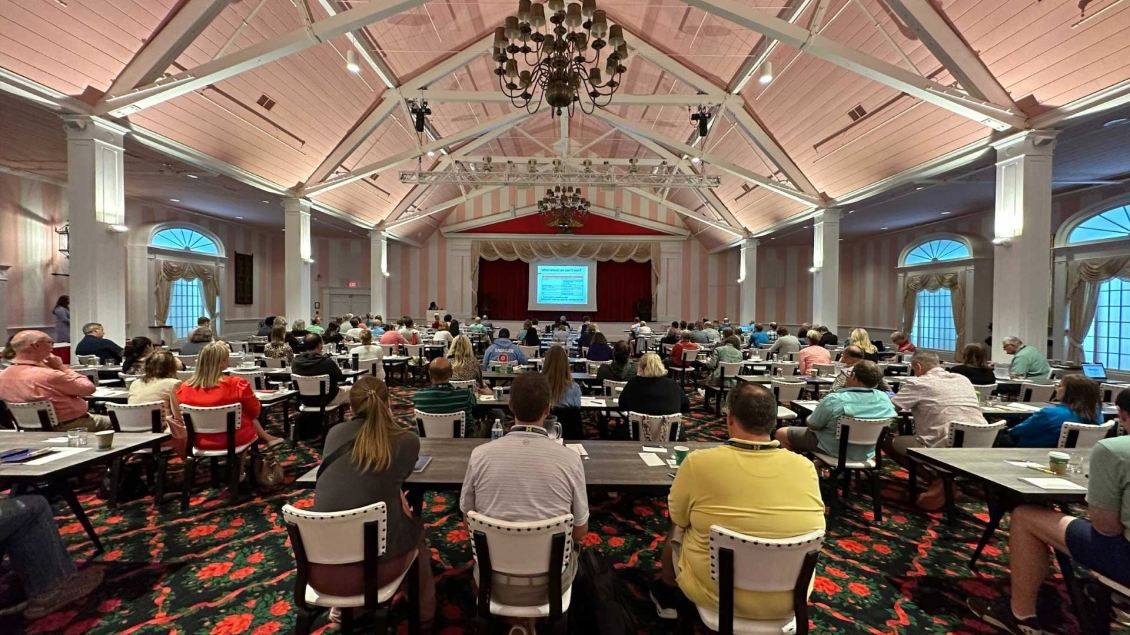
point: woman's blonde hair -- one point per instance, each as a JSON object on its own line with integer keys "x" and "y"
{"x": 651, "y": 366}
{"x": 461, "y": 354}
{"x": 366, "y": 337}
{"x": 210, "y": 365}
{"x": 557, "y": 373}
{"x": 372, "y": 448}
{"x": 860, "y": 338}
{"x": 299, "y": 325}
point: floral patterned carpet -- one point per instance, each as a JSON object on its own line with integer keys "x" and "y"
{"x": 224, "y": 570}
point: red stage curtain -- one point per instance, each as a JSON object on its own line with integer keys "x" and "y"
{"x": 618, "y": 286}
{"x": 504, "y": 291}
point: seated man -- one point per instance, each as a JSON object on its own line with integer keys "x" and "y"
{"x": 711, "y": 332}
{"x": 785, "y": 344}
{"x": 685, "y": 343}
{"x": 443, "y": 398}
{"x": 851, "y": 356}
{"x": 813, "y": 354}
{"x": 393, "y": 336}
{"x": 828, "y": 338}
{"x": 772, "y": 332}
{"x": 621, "y": 368}
{"x": 552, "y": 483}
{"x": 94, "y": 342}
{"x": 1027, "y": 362}
{"x": 409, "y": 332}
{"x": 750, "y": 485}
{"x": 859, "y": 400}
{"x": 29, "y": 536}
{"x": 477, "y": 326}
{"x": 902, "y": 342}
{"x": 1100, "y": 542}
{"x": 503, "y": 350}
{"x": 38, "y": 375}
{"x": 312, "y": 362}
{"x": 354, "y": 332}
{"x": 758, "y": 337}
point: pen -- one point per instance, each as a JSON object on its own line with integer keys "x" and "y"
{"x": 1040, "y": 469}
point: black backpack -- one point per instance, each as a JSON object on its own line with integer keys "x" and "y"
{"x": 598, "y": 606}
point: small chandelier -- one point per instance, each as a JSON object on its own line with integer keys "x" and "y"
{"x": 557, "y": 68}
{"x": 563, "y": 208}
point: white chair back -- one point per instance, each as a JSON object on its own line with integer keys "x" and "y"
{"x": 185, "y": 375}
{"x": 33, "y": 416}
{"x": 89, "y": 373}
{"x": 985, "y": 391}
{"x": 729, "y": 369}
{"x": 391, "y": 350}
{"x": 1081, "y": 436}
{"x": 211, "y": 420}
{"x": 274, "y": 362}
{"x": 88, "y": 360}
{"x": 235, "y": 360}
{"x": 1111, "y": 392}
{"x": 312, "y": 385}
{"x": 256, "y": 378}
{"x": 786, "y": 391}
{"x": 530, "y": 351}
{"x": 465, "y": 385}
{"x": 610, "y": 386}
{"x": 689, "y": 355}
{"x": 655, "y": 428}
{"x": 138, "y": 417}
{"x": 862, "y": 431}
{"x": 973, "y": 435}
{"x": 416, "y": 351}
{"x": 1031, "y": 392}
{"x": 826, "y": 370}
{"x": 440, "y": 426}
{"x": 128, "y": 379}
{"x": 521, "y": 548}
{"x": 788, "y": 369}
{"x": 337, "y": 537}
{"x": 763, "y": 565}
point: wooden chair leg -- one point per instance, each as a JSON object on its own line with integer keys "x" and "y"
{"x": 115, "y": 482}
{"x": 876, "y": 500}
{"x": 162, "y": 473}
{"x": 189, "y": 477}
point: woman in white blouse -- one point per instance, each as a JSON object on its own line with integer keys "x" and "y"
{"x": 369, "y": 352}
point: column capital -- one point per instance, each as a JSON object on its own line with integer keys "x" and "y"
{"x": 1038, "y": 143}
{"x": 831, "y": 214}
{"x": 295, "y": 204}
{"x": 94, "y": 128}
{"x": 750, "y": 243}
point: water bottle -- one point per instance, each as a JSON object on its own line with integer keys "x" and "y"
{"x": 496, "y": 432}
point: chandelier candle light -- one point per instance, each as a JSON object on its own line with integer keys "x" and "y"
{"x": 563, "y": 208}
{"x": 556, "y": 57}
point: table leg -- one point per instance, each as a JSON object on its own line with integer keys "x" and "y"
{"x": 415, "y": 498}
{"x": 63, "y": 488}
{"x": 115, "y": 481}
{"x": 287, "y": 430}
{"x": 1072, "y": 584}
{"x": 912, "y": 481}
{"x": 996, "y": 512}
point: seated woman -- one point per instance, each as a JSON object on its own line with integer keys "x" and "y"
{"x": 813, "y": 354}
{"x": 685, "y": 343}
{"x": 367, "y": 460}
{"x": 200, "y": 338}
{"x": 367, "y": 352}
{"x": 652, "y": 392}
{"x": 672, "y": 337}
{"x": 134, "y": 353}
{"x": 599, "y": 350}
{"x": 210, "y": 387}
{"x": 530, "y": 336}
{"x": 1080, "y": 400}
{"x": 563, "y": 391}
{"x": 464, "y": 365}
{"x": 561, "y": 335}
{"x": 860, "y": 338}
{"x": 588, "y": 334}
{"x": 298, "y": 330}
{"x": 277, "y": 348}
{"x": 975, "y": 365}
{"x": 159, "y": 383}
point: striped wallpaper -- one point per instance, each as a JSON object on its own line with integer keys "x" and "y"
{"x": 507, "y": 197}
{"x": 30, "y": 210}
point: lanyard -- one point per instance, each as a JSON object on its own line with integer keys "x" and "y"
{"x": 753, "y": 445}
{"x": 535, "y": 429}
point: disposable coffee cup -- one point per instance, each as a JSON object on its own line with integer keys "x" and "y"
{"x": 681, "y": 452}
{"x": 105, "y": 439}
{"x": 1057, "y": 462}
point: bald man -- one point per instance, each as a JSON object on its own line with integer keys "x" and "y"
{"x": 38, "y": 375}
{"x": 443, "y": 398}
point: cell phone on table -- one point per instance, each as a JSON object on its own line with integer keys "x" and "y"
{"x": 421, "y": 463}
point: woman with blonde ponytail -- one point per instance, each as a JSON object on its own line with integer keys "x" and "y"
{"x": 366, "y": 460}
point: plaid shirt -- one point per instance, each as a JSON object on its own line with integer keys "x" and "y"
{"x": 772, "y": 336}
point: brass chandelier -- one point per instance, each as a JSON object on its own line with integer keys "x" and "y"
{"x": 551, "y": 62}
{"x": 563, "y": 208}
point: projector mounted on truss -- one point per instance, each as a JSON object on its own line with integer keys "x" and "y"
{"x": 487, "y": 173}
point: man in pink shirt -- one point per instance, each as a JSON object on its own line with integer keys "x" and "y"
{"x": 38, "y": 375}
{"x": 812, "y": 354}
{"x": 393, "y": 336}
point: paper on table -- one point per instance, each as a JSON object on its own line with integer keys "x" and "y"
{"x": 59, "y": 453}
{"x": 56, "y": 440}
{"x": 1025, "y": 464}
{"x": 578, "y": 448}
{"x": 1055, "y": 483}
{"x": 652, "y": 460}
{"x": 592, "y": 401}
{"x": 486, "y": 398}
{"x": 654, "y": 448}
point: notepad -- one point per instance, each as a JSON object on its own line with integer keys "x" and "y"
{"x": 652, "y": 460}
{"x": 578, "y": 448}
{"x": 486, "y": 398}
{"x": 58, "y": 453}
{"x": 1055, "y": 484}
{"x": 1026, "y": 464}
{"x": 654, "y": 448}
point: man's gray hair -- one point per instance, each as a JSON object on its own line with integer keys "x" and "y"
{"x": 89, "y": 327}
{"x": 1012, "y": 339}
{"x": 925, "y": 359}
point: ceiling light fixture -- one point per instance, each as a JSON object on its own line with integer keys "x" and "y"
{"x": 239, "y": 218}
{"x": 881, "y": 228}
{"x": 696, "y": 160}
{"x": 562, "y": 73}
{"x": 118, "y": 229}
{"x": 266, "y": 201}
{"x": 766, "y": 72}
{"x": 431, "y": 153}
{"x": 563, "y": 208}
{"x": 419, "y": 113}
{"x": 702, "y": 117}
{"x": 351, "y": 64}
{"x": 945, "y": 213}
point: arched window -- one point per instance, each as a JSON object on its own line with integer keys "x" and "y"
{"x": 1111, "y": 224}
{"x": 185, "y": 240}
{"x": 935, "y": 251}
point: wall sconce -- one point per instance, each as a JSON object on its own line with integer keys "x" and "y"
{"x": 813, "y": 269}
{"x": 117, "y": 229}
{"x": 1002, "y": 242}
{"x": 64, "y": 239}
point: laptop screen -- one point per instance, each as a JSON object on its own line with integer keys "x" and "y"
{"x": 1094, "y": 371}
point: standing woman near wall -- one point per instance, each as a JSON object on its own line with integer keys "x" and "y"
{"x": 62, "y": 313}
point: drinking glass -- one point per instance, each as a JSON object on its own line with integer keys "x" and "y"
{"x": 76, "y": 438}
{"x": 1075, "y": 463}
{"x": 552, "y": 427}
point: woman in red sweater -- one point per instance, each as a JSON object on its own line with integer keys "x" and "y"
{"x": 209, "y": 387}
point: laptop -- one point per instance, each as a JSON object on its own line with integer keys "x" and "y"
{"x": 1095, "y": 371}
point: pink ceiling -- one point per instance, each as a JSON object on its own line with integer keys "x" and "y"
{"x": 1030, "y": 47}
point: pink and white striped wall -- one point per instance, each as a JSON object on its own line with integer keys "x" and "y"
{"x": 505, "y": 198}
{"x": 30, "y": 210}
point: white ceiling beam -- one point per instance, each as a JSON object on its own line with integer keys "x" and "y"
{"x": 573, "y": 160}
{"x": 607, "y": 133}
{"x": 669, "y": 64}
{"x": 684, "y": 211}
{"x": 507, "y": 121}
{"x": 941, "y": 38}
{"x": 252, "y": 57}
{"x": 999, "y": 117}
{"x": 435, "y": 209}
{"x": 359, "y": 40}
{"x": 447, "y": 66}
{"x": 752, "y": 128}
{"x": 763, "y": 49}
{"x": 817, "y": 20}
{"x": 621, "y": 99}
{"x": 390, "y": 101}
{"x": 166, "y": 45}
{"x": 726, "y": 166}
{"x": 535, "y": 140}
{"x": 471, "y": 146}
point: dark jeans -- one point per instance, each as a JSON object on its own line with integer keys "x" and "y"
{"x": 29, "y": 536}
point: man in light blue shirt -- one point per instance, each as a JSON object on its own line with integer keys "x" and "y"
{"x": 859, "y": 400}
{"x": 1026, "y": 361}
{"x": 503, "y": 350}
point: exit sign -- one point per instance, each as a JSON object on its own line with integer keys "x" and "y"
{"x": 352, "y": 285}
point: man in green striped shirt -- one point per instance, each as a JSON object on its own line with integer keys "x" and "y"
{"x": 443, "y": 398}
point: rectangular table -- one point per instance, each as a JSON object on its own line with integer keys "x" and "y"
{"x": 56, "y": 473}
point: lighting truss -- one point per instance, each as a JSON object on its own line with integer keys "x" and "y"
{"x": 549, "y": 179}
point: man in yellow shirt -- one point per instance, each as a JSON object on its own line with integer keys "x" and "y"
{"x": 750, "y": 485}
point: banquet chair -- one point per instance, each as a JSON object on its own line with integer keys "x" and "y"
{"x": 1039, "y": 393}
{"x": 315, "y": 388}
{"x": 33, "y": 416}
{"x": 91, "y": 374}
{"x": 187, "y": 360}
{"x": 235, "y": 360}
{"x": 88, "y": 360}
{"x": 858, "y": 432}
{"x": 960, "y": 435}
{"x": 985, "y": 391}
{"x": 465, "y": 385}
{"x": 1111, "y": 392}
{"x": 134, "y": 418}
{"x": 522, "y": 549}
{"x": 257, "y": 378}
{"x": 688, "y": 368}
{"x": 727, "y": 371}
{"x": 530, "y": 351}
{"x": 417, "y": 362}
{"x": 760, "y": 565}
{"x": 274, "y": 362}
{"x": 826, "y": 370}
{"x": 213, "y": 420}
{"x": 786, "y": 369}
{"x": 786, "y": 391}
{"x": 1082, "y": 436}
{"x": 1099, "y": 614}
{"x": 655, "y": 428}
{"x": 350, "y": 537}
{"x": 441, "y": 426}
{"x": 185, "y": 375}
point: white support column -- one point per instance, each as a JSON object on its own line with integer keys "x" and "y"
{"x": 1023, "y": 228}
{"x": 669, "y": 300}
{"x": 747, "y": 281}
{"x": 460, "y": 286}
{"x": 4, "y": 302}
{"x": 298, "y": 258}
{"x": 95, "y": 205}
{"x": 826, "y": 262}
{"x": 378, "y": 273}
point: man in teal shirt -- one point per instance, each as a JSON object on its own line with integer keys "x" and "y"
{"x": 1026, "y": 361}
{"x": 858, "y": 399}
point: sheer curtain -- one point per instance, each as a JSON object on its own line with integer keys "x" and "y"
{"x": 1084, "y": 277}
{"x": 933, "y": 282}
{"x": 171, "y": 271}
